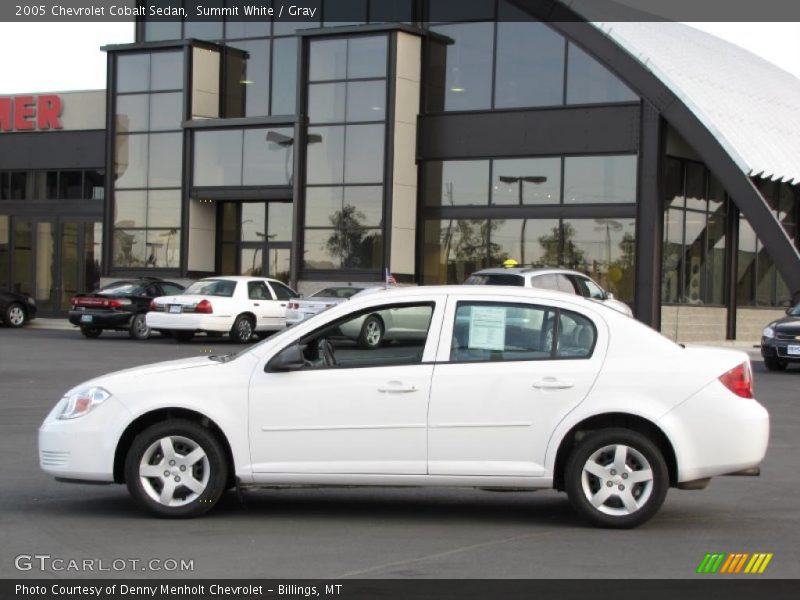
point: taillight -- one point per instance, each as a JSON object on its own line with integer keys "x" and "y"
{"x": 204, "y": 306}
{"x": 118, "y": 303}
{"x": 293, "y": 306}
{"x": 739, "y": 380}
{"x": 152, "y": 305}
{"x": 74, "y": 302}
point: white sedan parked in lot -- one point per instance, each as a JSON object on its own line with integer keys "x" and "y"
{"x": 509, "y": 387}
{"x": 240, "y": 306}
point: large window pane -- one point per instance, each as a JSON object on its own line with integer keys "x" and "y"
{"x": 129, "y": 248}
{"x": 589, "y": 82}
{"x": 130, "y": 158}
{"x": 600, "y": 180}
{"x": 457, "y": 183}
{"x": 321, "y": 203}
{"x": 327, "y": 60}
{"x": 157, "y": 31}
{"x": 204, "y": 30}
{"x": 164, "y": 208}
{"x": 364, "y": 154}
{"x": 132, "y": 113}
{"x": 254, "y": 225}
{"x": 166, "y": 71}
{"x": 265, "y": 161}
{"x": 23, "y": 257}
{"x": 694, "y": 242}
{"x": 467, "y": 74}
{"x": 530, "y": 63}
{"x": 531, "y": 242}
{"x": 326, "y": 102}
{"x": 672, "y": 256}
{"x": 344, "y": 247}
{"x": 715, "y": 257}
{"x": 391, "y": 11}
{"x": 164, "y": 168}
{"x": 367, "y": 201}
{"x": 366, "y": 57}
{"x": 166, "y": 111}
{"x": 746, "y": 275}
{"x": 279, "y": 221}
{"x": 163, "y": 248}
{"x": 366, "y": 101}
{"x": 284, "y": 76}
{"x": 246, "y": 29}
{"x": 364, "y": 204}
{"x": 133, "y": 73}
{"x": 695, "y": 186}
{"x": 70, "y": 185}
{"x": 4, "y": 250}
{"x": 526, "y": 181}
{"x": 255, "y": 79}
{"x": 130, "y": 209}
{"x": 456, "y": 248}
{"x": 217, "y": 158}
{"x": 325, "y": 155}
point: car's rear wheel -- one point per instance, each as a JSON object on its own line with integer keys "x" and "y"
{"x": 773, "y": 363}
{"x": 176, "y": 469}
{"x": 139, "y": 329}
{"x": 182, "y": 335}
{"x": 91, "y": 332}
{"x": 616, "y": 478}
{"x": 371, "y": 333}
{"x": 15, "y": 315}
{"x": 242, "y": 329}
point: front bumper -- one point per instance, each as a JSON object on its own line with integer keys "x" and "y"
{"x": 189, "y": 322}
{"x": 716, "y": 433}
{"x": 101, "y": 318}
{"x": 778, "y": 348}
{"x": 82, "y": 448}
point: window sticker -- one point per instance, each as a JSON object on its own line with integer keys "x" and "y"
{"x": 487, "y": 328}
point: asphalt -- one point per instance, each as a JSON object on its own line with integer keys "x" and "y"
{"x": 363, "y": 532}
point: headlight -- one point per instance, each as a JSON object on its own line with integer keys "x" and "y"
{"x": 768, "y": 332}
{"x": 82, "y": 400}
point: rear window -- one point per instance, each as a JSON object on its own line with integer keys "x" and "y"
{"x": 212, "y": 287}
{"x": 337, "y": 292}
{"x": 121, "y": 288}
{"x": 495, "y": 279}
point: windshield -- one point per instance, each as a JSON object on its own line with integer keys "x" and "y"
{"x": 336, "y": 292}
{"x": 211, "y": 287}
{"x": 120, "y": 288}
{"x": 795, "y": 312}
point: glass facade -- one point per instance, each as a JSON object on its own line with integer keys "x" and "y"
{"x": 77, "y": 184}
{"x": 148, "y": 158}
{"x": 347, "y": 92}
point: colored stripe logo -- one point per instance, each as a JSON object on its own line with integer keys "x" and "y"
{"x": 735, "y": 563}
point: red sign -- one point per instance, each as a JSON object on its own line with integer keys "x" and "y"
{"x": 28, "y": 113}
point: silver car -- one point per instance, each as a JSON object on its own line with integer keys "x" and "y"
{"x": 300, "y": 309}
{"x": 560, "y": 280}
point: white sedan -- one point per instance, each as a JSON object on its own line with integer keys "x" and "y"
{"x": 239, "y": 306}
{"x": 508, "y": 388}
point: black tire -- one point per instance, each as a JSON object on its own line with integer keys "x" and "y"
{"x": 182, "y": 335}
{"x": 372, "y": 331}
{"x": 211, "y": 471}
{"x": 15, "y": 315}
{"x": 91, "y": 332}
{"x": 773, "y": 363}
{"x": 242, "y": 329}
{"x": 139, "y": 329}
{"x": 612, "y": 512}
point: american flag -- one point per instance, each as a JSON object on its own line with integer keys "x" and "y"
{"x": 390, "y": 280}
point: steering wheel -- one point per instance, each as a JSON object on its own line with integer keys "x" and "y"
{"x": 325, "y": 350}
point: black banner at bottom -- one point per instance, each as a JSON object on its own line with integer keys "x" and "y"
{"x": 400, "y": 589}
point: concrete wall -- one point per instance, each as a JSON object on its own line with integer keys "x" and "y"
{"x": 693, "y": 323}
{"x": 751, "y": 321}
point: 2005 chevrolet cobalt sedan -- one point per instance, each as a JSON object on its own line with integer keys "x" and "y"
{"x": 509, "y": 387}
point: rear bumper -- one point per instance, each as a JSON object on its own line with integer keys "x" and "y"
{"x": 101, "y": 318}
{"x": 717, "y": 433}
{"x": 189, "y": 322}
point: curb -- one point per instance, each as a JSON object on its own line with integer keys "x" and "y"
{"x": 51, "y": 324}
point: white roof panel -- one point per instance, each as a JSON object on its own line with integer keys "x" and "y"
{"x": 751, "y": 105}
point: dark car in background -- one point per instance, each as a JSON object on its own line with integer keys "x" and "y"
{"x": 16, "y": 309}
{"x": 780, "y": 341}
{"x": 120, "y": 306}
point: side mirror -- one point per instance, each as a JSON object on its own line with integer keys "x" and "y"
{"x": 289, "y": 359}
{"x": 609, "y": 296}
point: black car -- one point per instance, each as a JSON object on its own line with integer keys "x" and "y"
{"x": 120, "y": 306}
{"x": 780, "y": 341}
{"x": 16, "y": 309}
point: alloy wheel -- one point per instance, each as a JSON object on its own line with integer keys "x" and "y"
{"x": 16, "y": 316}
{"x": 174, "y": 471}
{"x": 373, "y": 333}
{"x": 617, "y": 480}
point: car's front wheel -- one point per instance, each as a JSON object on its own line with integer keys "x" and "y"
{"x": 139, "y": 329}
{"x": 176, "y": 468}
{"x": 15, "y": 315}
{"x": 616, "y": 478}
{"x": 773, "y": 363}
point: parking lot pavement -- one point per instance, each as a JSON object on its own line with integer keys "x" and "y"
{"x": 361, "y": 532}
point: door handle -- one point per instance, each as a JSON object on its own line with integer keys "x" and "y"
{"x": 283, "y": 305}
{"x": 396, "y": 387}
{"x": 551, "y": 383}
{"x": 256, "y": 304}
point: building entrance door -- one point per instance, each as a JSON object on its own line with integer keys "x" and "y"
{"x": 54, "y": 259}
{"x": 256, "y": 239}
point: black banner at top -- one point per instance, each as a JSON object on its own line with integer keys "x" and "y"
{"x": 331, "y": 12}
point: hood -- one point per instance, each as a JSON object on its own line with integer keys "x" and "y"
{"x": 144, "y": 372}
{"x": 788, "y": 324}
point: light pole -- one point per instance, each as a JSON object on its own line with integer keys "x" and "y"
{"x": 521, "y": 181}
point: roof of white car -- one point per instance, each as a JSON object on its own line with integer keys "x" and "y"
{"x": 525, "y": 271}
{"x": 236, "y": 278}
{"x": 500, "y": 291}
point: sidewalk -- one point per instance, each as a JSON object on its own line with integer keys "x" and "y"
{"x": 56, "y": 324}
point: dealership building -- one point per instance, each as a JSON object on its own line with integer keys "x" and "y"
{"x": 661, "y": 161}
